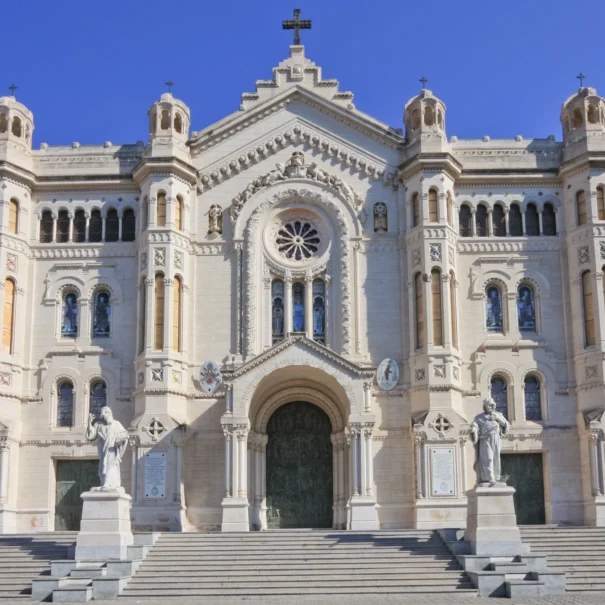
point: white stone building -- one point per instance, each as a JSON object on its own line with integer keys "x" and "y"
{"x": 299, "y": 242}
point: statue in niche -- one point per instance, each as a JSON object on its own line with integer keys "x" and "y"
{"x": 101, "y": 314}
{"x": 70, "y": 315}
{"x": 215, "y": 219}
{"x": 381, "y": 223}
{"x": 112, "y": 439}
{"x": 486, "y": 434}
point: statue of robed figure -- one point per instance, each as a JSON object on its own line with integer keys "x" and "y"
{"x": 486, "y": 433}
{"x": 112, "y": 439}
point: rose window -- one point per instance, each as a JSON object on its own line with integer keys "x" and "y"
{"x": 297, "y": 240}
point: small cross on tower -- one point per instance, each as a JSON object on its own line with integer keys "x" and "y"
{"x": 12, "y": 88}
{"x": 170, "y": 84}
{"x": 296, "y": 24}
{"x": 424, "y": 82}
{"x": 441, "y": 425}
{"x": 581, "y": 77}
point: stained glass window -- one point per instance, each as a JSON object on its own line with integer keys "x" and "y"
{"x": 526, "y": 309}
{"x": 277, "y": 310}
{"x": 499, "y": 395}
{"x": 493, "y": 310}
{"x": 98, "y": 397}
{"x": 95, "y": 226}
{"x": 65, "y": 407}
{"x": 128, "y": 225}
{"x": 319, "y": 311}
{"x": 532, "y": 226}
{"x": 481, "y": 218}
{"x": 63, "y": 227}
{"x": 101, "y": 318}
{"x": 112, "y": 226}
{"x": 79, "y": 226}
{"x": 499, "y": 221}
{"x": 69, "y": 325}
{"x": 466, "y": 221}
{"x": 298, "y": 307}
{"x": 515, "y": 225}
{"x": 46, "y": 227}
{"x": 533, "y": 405}
{"x": 549, "y": 220}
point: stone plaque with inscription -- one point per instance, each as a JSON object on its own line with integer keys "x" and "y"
{"x": 443, "y": 472}
{"x": 155, "y": 475}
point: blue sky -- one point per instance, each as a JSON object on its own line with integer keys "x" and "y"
{"x": 90, "y": 70}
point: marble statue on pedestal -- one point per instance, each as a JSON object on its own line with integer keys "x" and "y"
{"x": 112, "y": 439}
{"x": 486, "y": 433}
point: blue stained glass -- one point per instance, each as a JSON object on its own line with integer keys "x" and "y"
{"x": 277, "y": 311}
{"x": 298, "y": 307}
{"x": 65, "y": 409}
{"x": 526, "y": 309}
{"x": 69, "y": 327}
{"x": 319, "y": 311}
{"x": 499, "y": 395}
{"x": 493, "y": 308}
{"x": 533, "y": 406}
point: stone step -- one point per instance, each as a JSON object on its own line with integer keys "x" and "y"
{"x": 428, "y": 566}
{"x": 301, "y": 575}
{"x": 327, "y": 558}
{"x": 516, "y": 589}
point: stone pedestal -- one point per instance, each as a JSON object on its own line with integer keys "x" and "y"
{"x": 362, "y": 513}
{"x": 235, "y": 514}
{"x": 491, "y": 526}
{"x": 105, "y": 531}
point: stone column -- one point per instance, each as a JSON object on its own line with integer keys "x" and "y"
{"x": 328, "y": 323}
{"x": 506, "y": 216}
{"x": 242, "y": 463}
{"x": 288, "y": 305}
{"x": 87, "y": 229}
{"x": 367, "y": 396}
{"x": 419, "y": 440}
{"x": 134, "y": 449}
{"x": 490, "y": 225}
{"x": 120, "y": 228}
{"x": 523, "y": 222}
{"x": 54, "y": 227}
{"x": 103, "y": 228}
{"x": 4, "y": 471}
{"x": 539, "y": 223}
{"x": 446, "y": 309}
{"x": 149, "y": 319}
{"x": 238, "y": 299}
{"x": 473, "y": 222}
{"x": 355, "y": 460}
{"x": 229, "y": 398}
{"x": 263, "y": 481}
{"x": 342, "y": 481}
{"x": 228, "y": 433}
{"x": 462, "y": 442}
{"x": 595, "y": 464}
{"x": 177, "y": 445}
{"x": 235, "y": 504}
{"x": 355, "y": 292}
{"x": 258, "y": 480}
{"x": 70, "y": 237}
{"x": 309, "y": 307}
{"x": 369, "y": 460}
{"x": 363, "y": 515}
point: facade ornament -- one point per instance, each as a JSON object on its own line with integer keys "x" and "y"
{"x": 210, "y": 377}
{"x": 441, "y": 425}
{"x": 381, "y": 223}
{"x": 215, "y": 219}
{"x": 155, "y": 429}
{"x": 295, "y": 167}
{"x": 387, "y": 374}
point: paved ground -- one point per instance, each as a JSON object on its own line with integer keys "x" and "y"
{"x": 569, "y": 599}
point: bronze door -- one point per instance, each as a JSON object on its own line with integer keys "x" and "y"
{"x": 524, "y": 472}
{"x": 73, "y": 478}
{"x": 299, "y": 467}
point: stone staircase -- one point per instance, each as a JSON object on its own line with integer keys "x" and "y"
{"x": 297, "y": 562}
{"x": 577, "y": 551}
{"x": 24, "y": 557}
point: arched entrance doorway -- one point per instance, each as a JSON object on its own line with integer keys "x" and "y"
{"x": 299, "y": 467}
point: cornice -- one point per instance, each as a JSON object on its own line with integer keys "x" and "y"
{"x": 42, "y": 251}
{"x": 311, "y": 138}
{"x": 430, "y": 162}
{"x": 489, "y": 245}
{"x": 167, "y": 165}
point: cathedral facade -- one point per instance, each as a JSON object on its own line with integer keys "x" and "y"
{"x": 298, "y": 243}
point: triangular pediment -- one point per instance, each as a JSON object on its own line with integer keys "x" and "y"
{"x": 302, "y": 346}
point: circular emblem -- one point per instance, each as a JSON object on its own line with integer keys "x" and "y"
{"x": 210, "y": 377}
{"x": 387, "y": 374}
{"x": 297, "y": 240}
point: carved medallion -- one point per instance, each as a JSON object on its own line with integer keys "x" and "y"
{"x": 387, "y": 374}
{"x": 210, "y": 377}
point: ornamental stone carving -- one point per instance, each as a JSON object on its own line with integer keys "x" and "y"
{"x": 295, "y": 167}
{"x": 159, "y": 257}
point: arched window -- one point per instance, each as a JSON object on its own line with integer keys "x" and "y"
{"x": 549, "y": 220}
{"x": 70, "y": 314}
{"x": 415, "y": 119}
{"x": 600, "y": 204}
{"x": 593, "y": 114}
{"x": 515, "y": 225}
{"x": 533, "y": 401}
{"x": 3, "y": 123}
{"x": 499, "y": 393}
{"x": 418, "y": 285}
{"x": 63, "y": 227}
{"x": 95, "y": 226}
{"x": 498, "y": 221}
{"x": 158, "y": 340}
{"x": 161, "y": 209}
{"x": 532, "y": 227}
{"x": 526, "y": 308}
{"x": 128, "y": 225}
{"x": 177, "y": 314}
{"x": 112, "y": 226}
{"x": 437, "y": 310}
{"x": 178, "y": 123}
{"x": 453, "y": 310}
{"x": 448, "y": 208}
{"x": 319, "y": 311}
{"x": 46, "y": 227}
{"x": 165, "y": 120}
{"x": 79, "y": 226}
{"x": 98, "y": 397}
{"x": 589, "y": 328}
{"x": 429, "y": 116}
{"x": 13, "y": 217}
{"x": 101, "y": 314}
{"x": 298, "y": 307}
{"x": 277, "y": 310}
{"x": 178, "y": 213}
{"x": 415, "y": 210}
{"x": 145, "y": 219}
{"x": 494, "y": 321}
{"x": 465, "y": 220}
{"x": 581, "y": 207}
{"x": 8, "y": 319}
{"x": 65, "y": 406}
{"x": 142, "y": 315}
{"x": 481, "y": 218}
{"x": 578, "y": 118}
{"x": 433, "y": 206}
{"x": 17, "y": 126}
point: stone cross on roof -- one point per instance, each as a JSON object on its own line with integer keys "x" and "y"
{"x": 170, "y": 84}
{"x": 424, "y": 82}
{"x": 12, "y": 88}
{"x": 581, "y": 77}
{"x": 296, "y": 24}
